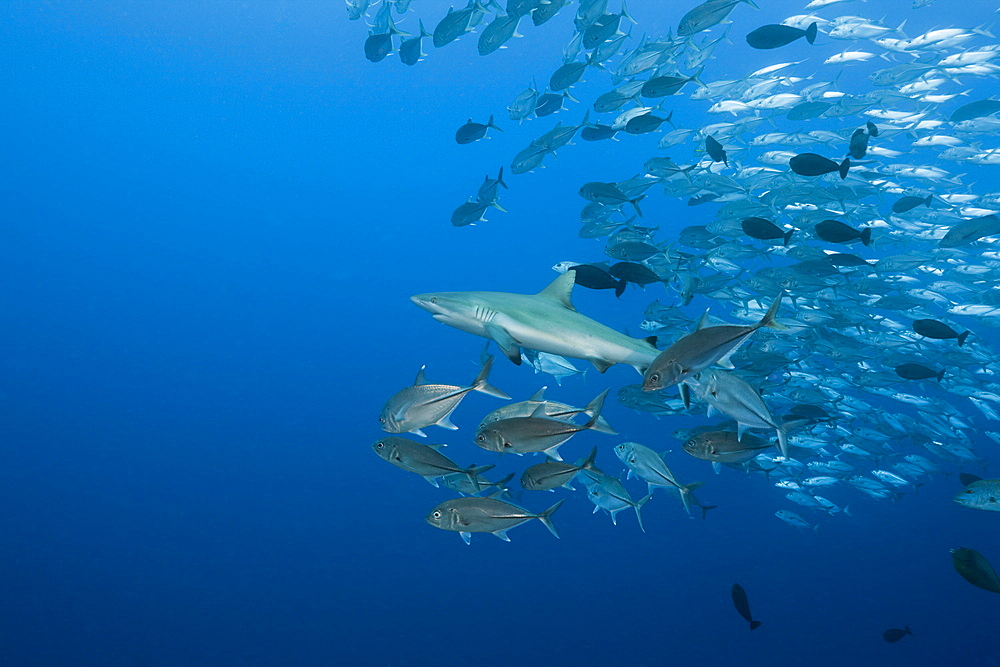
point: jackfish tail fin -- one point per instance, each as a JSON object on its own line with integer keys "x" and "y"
{"x": 481, "y": 385}
{"x": 545, "y": 517}
{"x": 768, "y": 319}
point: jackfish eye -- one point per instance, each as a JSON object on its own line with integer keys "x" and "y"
{"x": 482, "y": 438}
{"x": 655, "y": 377}
{"x": 380, "y": 445}
{"x": 381, "y": 420}
{"x": 437, "y": 514}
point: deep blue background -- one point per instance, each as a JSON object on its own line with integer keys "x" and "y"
{"x": 213, "y": 215}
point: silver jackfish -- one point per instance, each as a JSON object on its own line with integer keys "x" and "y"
{"x": 551, "y": 474}
{"x": 486, "y": 515}
{"x": 535, "y": 433}
{"x": 701, "y": 348}
{"x": 546, "y": 322}
{"x": 649, "y": 466}
{"x": 736, "y": 398}
{"x": 553, "y": 410}
{"x": 424, "y": 460}
{"x": 609, "y": 494}
{"x": 425, "y": 404}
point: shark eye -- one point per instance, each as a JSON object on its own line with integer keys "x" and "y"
{"x": 992, "y": 499}
{"x": 968, "y": 490}
{"x": 434, "y": 299}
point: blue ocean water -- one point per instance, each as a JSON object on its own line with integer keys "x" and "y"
{"x": 214, "y": 215}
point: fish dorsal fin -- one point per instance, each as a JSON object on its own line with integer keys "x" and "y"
{"x": 539, "y": 411}
{"x": 560, "y": 290}
{"x": 967, "y": 478}
{"x": 703, "y": 322}
{"x": 538, "y": 395}
{"x": 420, "y": 377}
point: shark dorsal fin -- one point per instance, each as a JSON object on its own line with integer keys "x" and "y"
{"x": 420, "y": 377}
{"x": 561, "y": 289}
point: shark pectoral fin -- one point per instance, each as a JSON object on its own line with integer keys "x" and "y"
{"x": 601, "y": 364}
{"x": 511, "y": 348}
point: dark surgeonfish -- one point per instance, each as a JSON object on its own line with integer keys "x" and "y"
{"x": 859, "y": 144}
{"x": 486, "y": 515}
{"x": 777, "y": 35}
{"x": 834, "y": 231}
{"x": 975, "y": 110}
{"x": 706, "y": 15}
{"x": 872, "y": 128}
{"x": 743, "y": 606}
{"x": 715, "y": 150}
{"x": 895, "y": 634}
{"x": 596, "y": 277}
{"x": 967, "y": 231}
{"x": 979, "y": 493}
{"x": 938, "y": 331}
{"x": 637, "y": 274}
{"x": 378, "y": 46}
{"x": 411, "y": 50}
{"x": 975, "y": 569}
{"x": 701, "y": 348}
{"x": 765, "y": 230}
{"x": 904, "y": 204}
{"x": 474, "y": 131}
{"x": 918, "y": 372}
{"x": 811, "y": 164}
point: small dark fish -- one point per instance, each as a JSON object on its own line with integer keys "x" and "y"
{"x": 833, "y": 231}
{"x": 500, "y": 31}
{"x": 975, "y": 569}
{"x": 631, "y": 272}
{"x": 715, "y": 150}
{"x": 811, "y": 164}
{"x": 859, "y": 144}
{"x": 662, "y": 86}
{"x": 469, "y": 213}
{"x": 608, "y": 193}
{"x": 765, "y": 230}
{"x": 645, "y": 123}
{"x": 775, "y": 35}
{"x": 743, "y": 605}
{"x": 474, "y": 131}
{"x": 938, "y": 330}
{"x": 909, "y": 203}
{"x": 597, "y": 132}
{"x": 918, "y": 372}
{"x": 707, "y": 14}
{"x": 846, "y": 259}
{"x": 545, "y": 11}
{"x": 706, "y": 198}
{"x": 895, "y": 634}
{"x": 595, "y": 277}
{"x": 872, "y": 128}
{"x": 975, "y": 110}
{"x": 378, "y": 46}
{"x": 809, "y": 411}
{"x": 808, "y": 110}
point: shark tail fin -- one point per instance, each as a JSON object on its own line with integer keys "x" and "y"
{"x": 768, "y": 319}
{"x": 481, "y": 385}
{"x": 545, "y": 517}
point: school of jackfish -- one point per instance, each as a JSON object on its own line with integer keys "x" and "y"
{"x": 855, "y": 269}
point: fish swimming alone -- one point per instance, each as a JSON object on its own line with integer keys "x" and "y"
{"x": 975, "y": 569}
{"x": 893, "y": 635}
{"x": 546, "y": 322}
{"x": 777, "y": 35}
{"x": 742, "y": 605}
